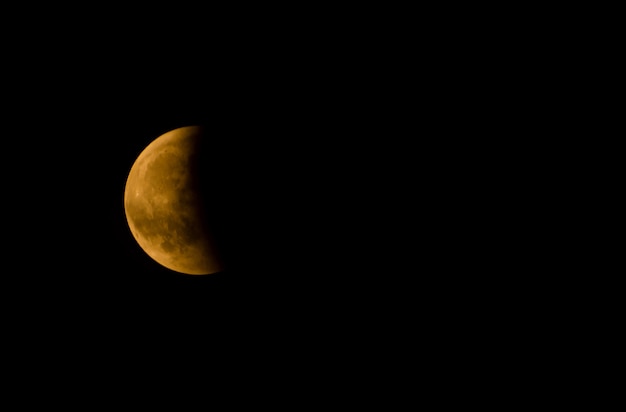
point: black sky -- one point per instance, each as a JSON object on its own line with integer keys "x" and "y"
{"x": 77, "y": 138}
{"x": 361, "y": 167}
{"x": 303, "y": 179}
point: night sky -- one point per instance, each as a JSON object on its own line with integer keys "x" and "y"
{"x": 301, "y": 183}
{"x": 359, "y": 170}
{"x": 271, "y": 183}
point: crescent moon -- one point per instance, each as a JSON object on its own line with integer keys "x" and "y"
{"x": 164, "y": 208}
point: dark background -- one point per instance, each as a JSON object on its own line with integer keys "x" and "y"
{"x": 81, "y": 296}
{"x": 385, "y": 181}
{"x": 331, "y": 141}
{"x": 361, "y": 171}
{"x": 362, "y": 177}
{"x": 296, "y": 178}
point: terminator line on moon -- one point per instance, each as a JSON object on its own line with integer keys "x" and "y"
{"x": 163, "y": 206}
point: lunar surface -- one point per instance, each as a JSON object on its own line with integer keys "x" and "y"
{"x": 164, "y": 208}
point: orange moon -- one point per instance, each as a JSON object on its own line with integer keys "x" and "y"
{"x": 164, "y": 207}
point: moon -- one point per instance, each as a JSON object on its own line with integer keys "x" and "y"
{"x": 164, "y": 205}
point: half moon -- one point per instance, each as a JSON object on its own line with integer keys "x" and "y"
{"x": 164, "y": 207}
